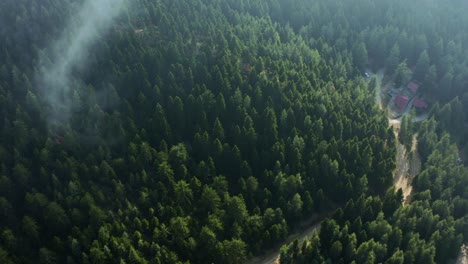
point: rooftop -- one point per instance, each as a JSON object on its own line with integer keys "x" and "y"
{"x": 401, "y": 101}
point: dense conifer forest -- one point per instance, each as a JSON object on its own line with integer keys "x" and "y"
{"x": 207, "y": 131}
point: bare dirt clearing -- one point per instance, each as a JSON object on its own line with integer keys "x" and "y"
{"x": 274, "y": 255}
{"x": 408, "y": 166}
{"x": 400, "y": 178}
{"x": 463, "y": 257}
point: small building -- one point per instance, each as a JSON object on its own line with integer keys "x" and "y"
{"x": 420, "y": 104}
{"x": 401, "y": 101}
{"x": 413, "y": 87}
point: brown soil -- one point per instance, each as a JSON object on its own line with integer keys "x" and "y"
{"x": 273, "y": 257}
{"x": 408, "y": 165}
{"x": 463, "y": 257}
{"x": 400, "y": 175}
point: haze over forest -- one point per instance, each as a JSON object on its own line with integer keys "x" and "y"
{"x": 233, "y": 131}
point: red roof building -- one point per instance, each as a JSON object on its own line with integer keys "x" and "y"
{"x": 413, "y": 87}
{"x": 421, "y": 104}
{"x": 401, "y": 101}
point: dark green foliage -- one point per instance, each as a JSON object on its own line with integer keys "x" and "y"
{"x": 422, "y": 66}
{"x": 429, "y": 230}
{"x": 393, "y": 59}
{"x": 206, "y": 131}
{"x": 402, "y": 74}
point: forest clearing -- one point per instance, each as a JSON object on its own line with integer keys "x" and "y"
{"x": 463, "y": 257}
{"x": 408, "y": 166}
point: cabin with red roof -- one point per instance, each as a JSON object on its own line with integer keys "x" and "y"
{"x": 413, "y": 87}
{"x": 401, "y": 101}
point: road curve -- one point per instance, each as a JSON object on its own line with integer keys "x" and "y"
{"x": 273, "y": 256}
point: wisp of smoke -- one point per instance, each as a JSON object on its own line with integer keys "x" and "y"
{"x": 94, "y": 18}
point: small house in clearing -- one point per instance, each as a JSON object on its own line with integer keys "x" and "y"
{"x": 401, "y": 101}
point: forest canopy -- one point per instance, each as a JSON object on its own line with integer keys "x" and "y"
{"x": 208, "y": 131}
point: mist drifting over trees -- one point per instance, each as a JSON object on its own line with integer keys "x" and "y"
{"x": 71, "y": 51}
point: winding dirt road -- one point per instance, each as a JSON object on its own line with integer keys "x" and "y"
{"x": 408, "y": 166}
{"x": 406, "y": 170}
{"x": 273, "y": 256}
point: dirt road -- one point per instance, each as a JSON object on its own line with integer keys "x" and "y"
{"x": 400, "y": 179}
{"x": 408, "y": 166}
{"x": 273, "y": 257}
{"x": 463, "y": 256}
{"x": 405, "y": 171}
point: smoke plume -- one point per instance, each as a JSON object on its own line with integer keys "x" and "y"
{"x": 69, "y": 52}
